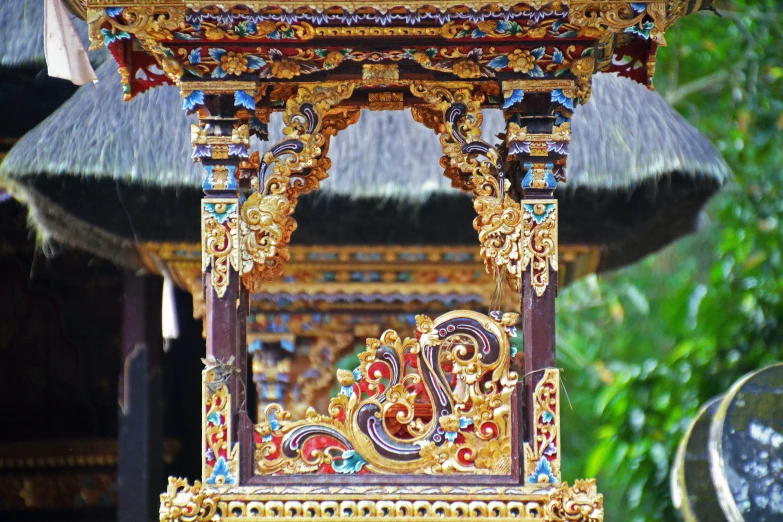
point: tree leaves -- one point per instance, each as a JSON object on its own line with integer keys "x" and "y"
{"x": 660, "y": 338}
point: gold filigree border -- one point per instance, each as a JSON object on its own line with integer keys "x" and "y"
{"x": 561, "y": 503}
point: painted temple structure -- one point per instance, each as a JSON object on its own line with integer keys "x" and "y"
{"x": 386, "y": 364}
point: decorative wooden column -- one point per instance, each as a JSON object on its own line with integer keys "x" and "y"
{"x": 537, "y": 137}
{"x": 220, "y": 142}
{"x": 246, "y": 227}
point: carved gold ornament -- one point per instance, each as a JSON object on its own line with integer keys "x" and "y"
{"x": 295, "y": 165}
{"x": 596, "y": 18}
{"x": 560, "y": 132}
{"x": 357, "y": 31}
{"x": 385, "y": 101}
{"x": 542, "y": 143}
{"x": 220, "y": 458}
{"x": 580, "y": 503}
{"x": 184, "y": 503}
{"x": 567, "y": 86}
{"x": 338, "y": 119}
{"x": 499, "y": 217}
{"x": 539, "y": 241}
{"x": 439, "y": 403}
{"x": 323, "y": 360}
{"x": 583, "y": 69}
{"x": 220, "y": 250}
{"x": 149, "y": 24}
{"x": 380, "y": 73}
{"x": 542, "y": 456}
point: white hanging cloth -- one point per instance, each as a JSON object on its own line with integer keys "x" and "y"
{"x": 65, "y": 54}
{"x": 168, "y": 312}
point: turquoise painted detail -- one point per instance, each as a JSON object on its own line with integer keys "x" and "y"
{"x": 516, "y": 96}
{"x": 558, "y": 96}
{"x": 539, "y": 218}
{"x": 110, "y": 36}
{"x": 221, "y": 218}
{"x": 549, "y": 178}
{"x": 643, "y": 32}
{"x": 351, "y": 462}
{"x": 243, "y": 99}
{"x": 193, "y": 100}
{"x": 221, "y": 471}
{"x": 273, "y": 422}
{"x": 543, "y": 473}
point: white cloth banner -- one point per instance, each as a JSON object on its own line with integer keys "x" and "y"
{"x": 168, "y": 310}
{"x": 65, "y": 54}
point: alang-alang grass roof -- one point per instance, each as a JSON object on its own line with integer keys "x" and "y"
{"x": 101, "y": 174}
{"x": 27, "y": 94}
{"x": 22, "y": 34}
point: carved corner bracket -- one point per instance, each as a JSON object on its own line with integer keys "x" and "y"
{"x": 499, "y": 217}
{"x": 294, "y": 166}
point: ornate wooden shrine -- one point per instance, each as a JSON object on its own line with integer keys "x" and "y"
{"x": 434, "y": 425}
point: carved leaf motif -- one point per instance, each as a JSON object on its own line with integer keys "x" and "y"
{"x": 426, "y": 405}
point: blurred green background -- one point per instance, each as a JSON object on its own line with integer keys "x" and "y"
{"x": 644, "y": 347}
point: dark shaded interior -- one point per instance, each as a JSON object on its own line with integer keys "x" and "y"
{"x": 60, "y": 358}
{"x": 27, "y": 96}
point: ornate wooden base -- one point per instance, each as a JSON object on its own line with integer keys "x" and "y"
{"x": 185, "y": 503}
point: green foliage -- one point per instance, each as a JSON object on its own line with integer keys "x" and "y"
{"x": 644, "y": 347}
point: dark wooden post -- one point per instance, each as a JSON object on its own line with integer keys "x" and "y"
{"x": 244, "y": 423}
{"x": 140, "y": 431}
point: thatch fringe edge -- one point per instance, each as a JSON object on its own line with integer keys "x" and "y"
{"x": 54, "y": 225}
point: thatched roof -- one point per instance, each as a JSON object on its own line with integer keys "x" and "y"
{"x": 626, "y": 134}
{"x": 27, "y": 94}
{"x": 21, "y": 38}
{"x": 120, "y": 170}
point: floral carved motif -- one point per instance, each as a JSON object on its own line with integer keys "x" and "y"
{"x": 499, "y": 217}
{"x": 295, "y": 165}
{"x": 438, "y": 403}
{"x": 220, "y": 460}
{"x": 539, "y": 241}
{"x": 220, "y": 250}
{"x": 542, "y": 456}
